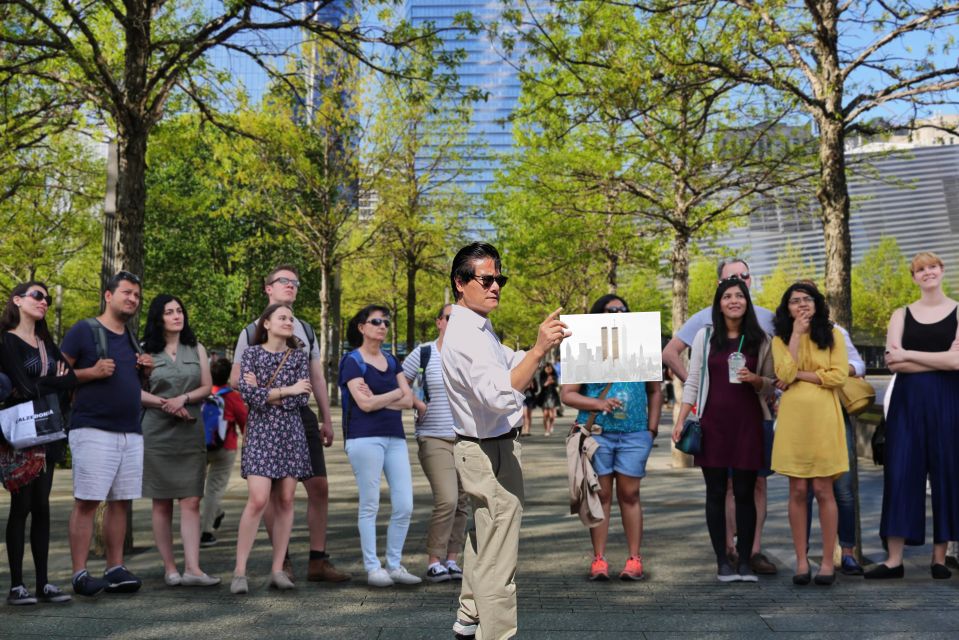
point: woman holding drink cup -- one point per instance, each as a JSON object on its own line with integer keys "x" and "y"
{"x": 810, "y": 445}
{"x": 732, "y": 364}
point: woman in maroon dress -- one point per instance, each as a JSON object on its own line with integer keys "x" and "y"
{"x": 731, "y": 414}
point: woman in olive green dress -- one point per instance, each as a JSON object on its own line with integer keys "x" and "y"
{"x": 174, "y": 443}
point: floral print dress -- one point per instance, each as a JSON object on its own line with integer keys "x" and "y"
{"x": 275, "y": 443}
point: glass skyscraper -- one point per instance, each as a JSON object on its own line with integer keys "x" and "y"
{"x": 486, "y": 68}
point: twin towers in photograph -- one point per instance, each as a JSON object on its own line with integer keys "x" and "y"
{"x": 612, "y": 348}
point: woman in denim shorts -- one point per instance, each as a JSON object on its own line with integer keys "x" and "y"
{"x": 629, "y": 418}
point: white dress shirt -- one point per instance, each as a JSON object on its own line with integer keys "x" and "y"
{"x": 855, "y": 360}
{"x": 476, "y": 372}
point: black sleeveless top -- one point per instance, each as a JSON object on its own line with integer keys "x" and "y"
{"x": 933, "y": 337}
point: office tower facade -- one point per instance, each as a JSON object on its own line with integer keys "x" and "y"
{"x": 485, "y": 68}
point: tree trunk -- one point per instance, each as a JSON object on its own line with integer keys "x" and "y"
{"x": 679, "y": 263}
{"x": 131, "y": 198}
{"x": 410, "y": 306}
{"x": 833, "y": 195}
{"x": 324, "y": 332}
{"x": 336, "y": 337}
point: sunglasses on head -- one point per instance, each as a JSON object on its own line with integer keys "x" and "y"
{"x": 38, "y": 295}
{"x": 126, "y": 275}
{"x": 376, "y": 322}
{"x": 487, "y": 281}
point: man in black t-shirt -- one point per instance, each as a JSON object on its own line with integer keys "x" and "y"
{"x": 105, "y": 438}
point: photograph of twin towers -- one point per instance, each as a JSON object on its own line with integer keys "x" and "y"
{"x": 611, "y": 347}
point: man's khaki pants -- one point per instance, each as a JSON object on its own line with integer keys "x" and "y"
{"x": 492, "y": 477}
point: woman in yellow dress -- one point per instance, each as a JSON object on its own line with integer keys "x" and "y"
{"x": 811, "y": 364}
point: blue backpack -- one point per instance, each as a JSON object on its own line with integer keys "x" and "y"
{"x": 345, "y": 398}
{"x": 214, "y": 419}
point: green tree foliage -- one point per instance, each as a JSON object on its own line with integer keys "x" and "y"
{"x": 132, "y": 61}
{"x": 702, "y": 284}
{"x": 843, "y": 61}
{"x": 680, "y": 150}
{"x": 52, "y": 226}
{"x": 881, "y": 283}
{"x": 201, "y": 246}
{"x": 417, "y": 156}
{"x": 790, "y": 267}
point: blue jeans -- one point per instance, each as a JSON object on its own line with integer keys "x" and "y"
{"x": 845, "y": 499}
{"x": 371, "y": 458}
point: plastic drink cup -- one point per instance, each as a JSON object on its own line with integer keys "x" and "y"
{"x": 736, "y": 362}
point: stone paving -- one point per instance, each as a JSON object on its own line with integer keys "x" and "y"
{"x": 679, "y": 599}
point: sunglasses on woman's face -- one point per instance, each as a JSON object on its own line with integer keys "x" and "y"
{"x": 487, "y": 281}
{"x": 38, "y": 295}
{"x": 376, "y": 322}
{"x": 615, "y": 309}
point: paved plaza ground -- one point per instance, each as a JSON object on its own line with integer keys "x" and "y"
{"x": 679, "y": 599}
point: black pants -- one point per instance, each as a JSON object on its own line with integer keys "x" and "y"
{"x": 32, "y": 500}
{"x": 744, "y": 486}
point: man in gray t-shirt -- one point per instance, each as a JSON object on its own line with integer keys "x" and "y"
{"x": 673, "y": 358}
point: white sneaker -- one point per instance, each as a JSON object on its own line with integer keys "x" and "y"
{"x": 379, "y": 578}
{"x": 401, "y": 576}
{"x": 464, "y": 629}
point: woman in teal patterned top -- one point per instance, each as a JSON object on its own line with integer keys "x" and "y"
{"x": 629, "y": 417}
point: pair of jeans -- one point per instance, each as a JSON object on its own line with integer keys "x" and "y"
{"x": 845, "y": 498}
{"x": 371, "y": 458}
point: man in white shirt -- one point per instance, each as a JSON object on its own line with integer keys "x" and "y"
{"x": 484, "y": 381}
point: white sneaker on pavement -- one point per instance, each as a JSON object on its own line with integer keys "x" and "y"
{"x": 400, "y": 575}
{"x": 379, "y": 578}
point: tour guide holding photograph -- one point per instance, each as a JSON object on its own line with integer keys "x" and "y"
{"x": 484, "y": 381}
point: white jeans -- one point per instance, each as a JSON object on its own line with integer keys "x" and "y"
{"x": 370, "y": 459}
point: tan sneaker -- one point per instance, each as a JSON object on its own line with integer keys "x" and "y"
{"x": 322, "y": 570}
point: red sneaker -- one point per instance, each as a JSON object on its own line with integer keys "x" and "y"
{"x": 599, "y": 569}
{"x": 633, "y": 569}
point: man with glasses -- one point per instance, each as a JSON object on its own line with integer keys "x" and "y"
{"x": 484, "y": 382}
{"x": 281, "y": 286}
{"x": 106, "y": 441}
{"x": 673, "y": 358}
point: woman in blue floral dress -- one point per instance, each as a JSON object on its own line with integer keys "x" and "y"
{"x": 275, "y": 383}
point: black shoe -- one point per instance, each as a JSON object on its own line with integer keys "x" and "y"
{"x": 121, "y": 581}
{"x": 824, "y": 579}
{"x": 885, "y": 572}
{"x": 207, "y": 539}
{"x": 86, "y": 585}
{"x": 802, "y": 579}
{"x": 20, "y": 596}
{"x": 218, "y": 521}
{"x": 52, "y": 593}
{"x": 940, "y": 572}
{"x": 850, "y": 567}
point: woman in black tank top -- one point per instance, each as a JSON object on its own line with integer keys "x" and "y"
{"x": 922, "y": 425}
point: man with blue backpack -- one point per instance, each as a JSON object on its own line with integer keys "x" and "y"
{"x": 224, "y": 417}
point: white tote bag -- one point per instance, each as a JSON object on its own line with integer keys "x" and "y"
{"x": 33, "y": 422}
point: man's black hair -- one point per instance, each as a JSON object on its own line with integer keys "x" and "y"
{"x": 462, "y": 268}
{"x": 119, "y": 277}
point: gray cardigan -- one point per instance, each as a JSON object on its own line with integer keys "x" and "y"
{"x": 691, "y": 388}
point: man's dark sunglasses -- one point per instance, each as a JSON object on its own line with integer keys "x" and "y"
{"x": 380, "y": 321}
{"x": 487, "y": 281}
{"x": 38, "y": 295}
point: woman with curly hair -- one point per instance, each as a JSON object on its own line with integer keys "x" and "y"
{"x": 174, "y": 445}
{"x": 811, "y": 363}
